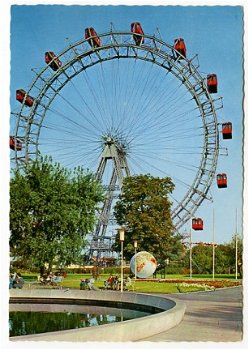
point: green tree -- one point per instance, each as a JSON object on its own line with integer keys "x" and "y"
{"x": 223, "y": 259}
{"x": 231, "y": 254}
{"x": 51, "y": 211}
{"x": 202, "y": 258}
{"x": 144, "y": 208}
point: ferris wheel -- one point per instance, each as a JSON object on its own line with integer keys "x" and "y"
{"x": 122, "y": 103}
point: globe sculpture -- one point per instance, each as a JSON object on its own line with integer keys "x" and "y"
{"x": 144, "y": 263}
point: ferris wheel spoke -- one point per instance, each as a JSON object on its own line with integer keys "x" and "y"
{"x": 68, "y": 143}
{"x": 72, "y": 155}
{"x": 144, "y": 164}
{"x": 134, "y": 71}
{"x": 79, "y": 112}
{"x": 145, "y": 90}
{"x": 148, "y": 93}
{"x": 165, "y": 131}
{"x": 106, "y": 105}
{"x": 70, "y": 128}
{"x": 73, "y": 121}
{"x": 139, "y": 95}
{"x": 96, "y": 110}
{"x": 159, "y": 117}
{"x": 157, "y": 101}
{"x": 94, "y": 121}
{"x": 183, "y": 119}
{"x": 166, "y": 158}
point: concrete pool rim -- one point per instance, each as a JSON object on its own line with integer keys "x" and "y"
{"x": 171, "y": 314}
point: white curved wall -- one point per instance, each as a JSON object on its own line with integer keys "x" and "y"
{"x": 131, "y": 330}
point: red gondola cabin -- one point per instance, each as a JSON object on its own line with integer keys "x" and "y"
{"x": 180, "y": 46}
{"x": 212, "y": 83}
{"x": 52, "y": 60}
{"x": 138, "y": 33}
{"x": 15, "y": 144}
{"x": 92, "y": 37}
{"x": 227, "y": 130}
{"x": 221, "y": 180}
{"x": 197, "y": 224}
{"x": 22, "y": 96}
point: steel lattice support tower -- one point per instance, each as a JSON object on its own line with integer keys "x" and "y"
{"x": 113, "y": 152}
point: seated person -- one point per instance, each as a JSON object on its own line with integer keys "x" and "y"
{"x": 109, "y": 282}
{"x": 83, "y": 284}
{"x": 58, "y": 279}
{"x": 55, "y": 280}
{"x": 18, "y": 282}
{"x": 90, "y": 284}
{"x": 127, "y": 282}
{"x": 116, "y": 283}
{"x": 42, "y": 279}
{"x": 11, "y": 281}
{"x": 49, "y": 278}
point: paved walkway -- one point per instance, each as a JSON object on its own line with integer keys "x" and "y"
{"x": 210, "y": 316}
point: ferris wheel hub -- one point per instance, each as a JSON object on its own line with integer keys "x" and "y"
{"x": 112, "y": 140}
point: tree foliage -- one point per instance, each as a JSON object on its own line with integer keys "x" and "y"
{"x": 230, "y": 248}
{"x": 144, "y": 208}
{"x": 51, "y": 211}
{"x": 224, "y": 258}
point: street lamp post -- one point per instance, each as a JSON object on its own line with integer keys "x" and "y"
{"x": 121, "y": 238}
{"x": 135, "y": 262}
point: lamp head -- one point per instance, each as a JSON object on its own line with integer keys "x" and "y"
{"x": 121, "y": 232}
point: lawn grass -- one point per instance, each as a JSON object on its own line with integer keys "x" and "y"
{"x": 140, "y": 286}
{"x": 165, "y": 288}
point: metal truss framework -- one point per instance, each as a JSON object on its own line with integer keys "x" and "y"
{"x": 78, "y": 57}
{"x": 115, "y": 153}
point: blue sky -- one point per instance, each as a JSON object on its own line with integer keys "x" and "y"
{"x": 214, "y": 33}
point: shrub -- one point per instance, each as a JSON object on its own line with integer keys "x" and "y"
{"x": 116, "y": 270}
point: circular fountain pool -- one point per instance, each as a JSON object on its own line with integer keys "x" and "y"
{"x": 164, "y": 314}
{"x": 50, "y": 318}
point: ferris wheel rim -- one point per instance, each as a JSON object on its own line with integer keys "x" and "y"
{"x": 168, "y": 58}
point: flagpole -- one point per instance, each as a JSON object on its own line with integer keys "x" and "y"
{"x": 190, "y": 253}
{"x": 236, "y": 248}
{"x": 213, "y": 247}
